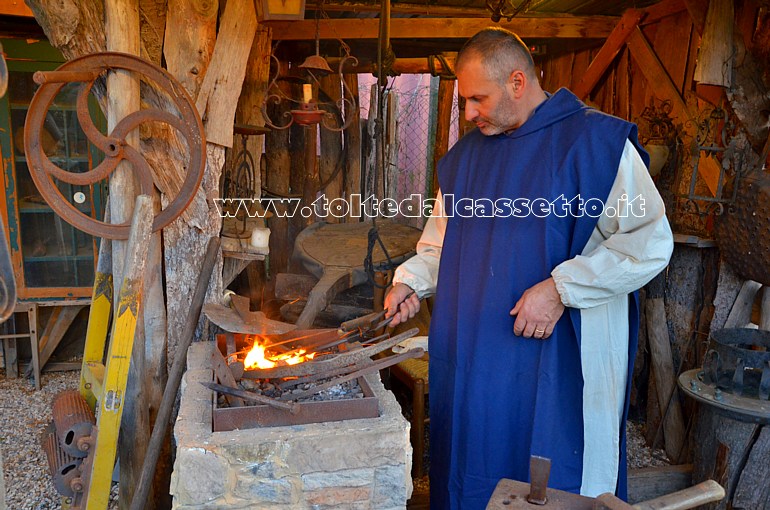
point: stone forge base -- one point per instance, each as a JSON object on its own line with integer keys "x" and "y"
{"x": 353, "y": 464}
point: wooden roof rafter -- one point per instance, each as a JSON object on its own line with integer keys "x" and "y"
{"x": 542, "y": 27}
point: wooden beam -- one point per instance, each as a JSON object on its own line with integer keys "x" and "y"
{"x": 658, "y": 77}
{"x": 352, "y": 140}
{"x": 577, "y": 27}
{"x": 653, "y": 482}
{"x": 61, "y": 319}
{"x": 446, "y": 89}
{"x": 620, "y": 34}
{"x": 191, "y": 28}
{"x": 715, "y": 59}
{"x": 697, "y": 10}
{"x": 418, "y": 65}
{"x": 664, "y": 9}
{"x": 15, "y": 8}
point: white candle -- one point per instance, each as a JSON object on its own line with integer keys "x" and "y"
{"x": 307, "y": 92}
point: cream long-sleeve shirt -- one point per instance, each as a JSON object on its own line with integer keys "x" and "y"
{"x": 623, "y": 253}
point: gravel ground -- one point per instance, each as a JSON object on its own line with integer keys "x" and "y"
{"x": 24, "y": 413}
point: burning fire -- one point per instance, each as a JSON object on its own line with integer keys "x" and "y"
{"x": 256, "y": 358}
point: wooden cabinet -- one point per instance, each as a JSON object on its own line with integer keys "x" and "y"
{"x": 51, "y": 258}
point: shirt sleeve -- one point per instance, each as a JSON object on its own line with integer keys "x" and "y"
{"x": 421, "y": 271}
{"x": 632, "y": 241}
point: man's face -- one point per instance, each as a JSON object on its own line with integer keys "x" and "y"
{"x": 488, "y": 103}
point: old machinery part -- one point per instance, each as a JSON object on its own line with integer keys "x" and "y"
{"x": 74, "y": 420}
{"x": 87, "y": 70}
{"x": 65, "y": 469}
{"x": 743, "y": 231}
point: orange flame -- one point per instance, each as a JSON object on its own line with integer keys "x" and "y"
{"x": 256, "y": 358}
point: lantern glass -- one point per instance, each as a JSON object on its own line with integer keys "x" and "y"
{"x": 283, "y": 9}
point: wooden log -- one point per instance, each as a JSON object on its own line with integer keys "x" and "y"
{"x": 663, "y": 365}
{"x": 331, "y": 164}
{"x": 122, "y": 32}
{"x": 753, "y": 489}
{"x": 191, "y": 29}
{"x": 615, "y": 41}
{"x": 740, "y": 313}
{"x": 352, "y": 141}
{"x": 735, "y": 454}
{"x": 153, "y": 327}
{"x": 715, "y": 60}
{"x": 596, "y": 27}
{"x": 217, "y": 98}
{"x": 446, "y": 90}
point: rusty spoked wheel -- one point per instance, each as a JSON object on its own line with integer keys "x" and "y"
{"x": 87, "y": 70}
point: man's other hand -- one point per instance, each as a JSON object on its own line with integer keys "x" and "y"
{"x": 538, "y": 310}
{"x": 401, "y": 303}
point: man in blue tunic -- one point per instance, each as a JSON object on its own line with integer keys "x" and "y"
{"x": 546, "y": 225}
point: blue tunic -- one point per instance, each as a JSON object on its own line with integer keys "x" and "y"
{"x": 495, "y": 398}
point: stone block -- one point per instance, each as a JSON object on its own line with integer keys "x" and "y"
{"x": 199, "y": 477}
{"x": 392, "y": 486}
{"x": 344, "y": 478}
{"x": 335, "y": 497}
{"x": 276, "y": 492}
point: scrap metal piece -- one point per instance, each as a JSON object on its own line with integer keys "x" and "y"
{"x": 247, "y": 395}
{"x": 539, "y": 471}
{"x": 374, "y": 367}
{"x": 327, "y": 363}
{"x": 86, "y": 70}
{"x": 74, "y": 420}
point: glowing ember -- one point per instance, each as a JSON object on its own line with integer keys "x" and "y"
{"x": 256, "y": 357}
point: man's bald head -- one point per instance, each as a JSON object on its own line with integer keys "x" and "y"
{"x": 501, "y": 52}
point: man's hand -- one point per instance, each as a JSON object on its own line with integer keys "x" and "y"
{"x": 538, "y": 310}
{"x": 401, "y": 303}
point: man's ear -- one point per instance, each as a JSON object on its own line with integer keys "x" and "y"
{"x": 518, "y": 82}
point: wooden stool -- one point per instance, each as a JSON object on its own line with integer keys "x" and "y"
{"x": 9, "y": 340}
{"x": 413, "y": 373}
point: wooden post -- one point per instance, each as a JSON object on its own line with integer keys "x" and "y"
{"x": 122, "y": 31}
{"x": 278, "y": 180}
{"x": 310, "y": 186}
{"x": 331, "y": 147}
{"x": 446, "y": 90}
{"x": 372, "y": 183}
{"x": 391, "y": 144}
{"x": 352, "y": 140}
{"x": 663, "y": 366}
{"x": 715, "y": 60}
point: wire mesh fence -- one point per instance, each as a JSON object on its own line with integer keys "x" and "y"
{"x": 411, "y": 161}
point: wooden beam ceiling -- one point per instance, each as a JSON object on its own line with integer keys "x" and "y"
{"x": 555, "y": 27}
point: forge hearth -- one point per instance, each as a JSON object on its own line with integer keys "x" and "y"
{"x": 352, "y": 464}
